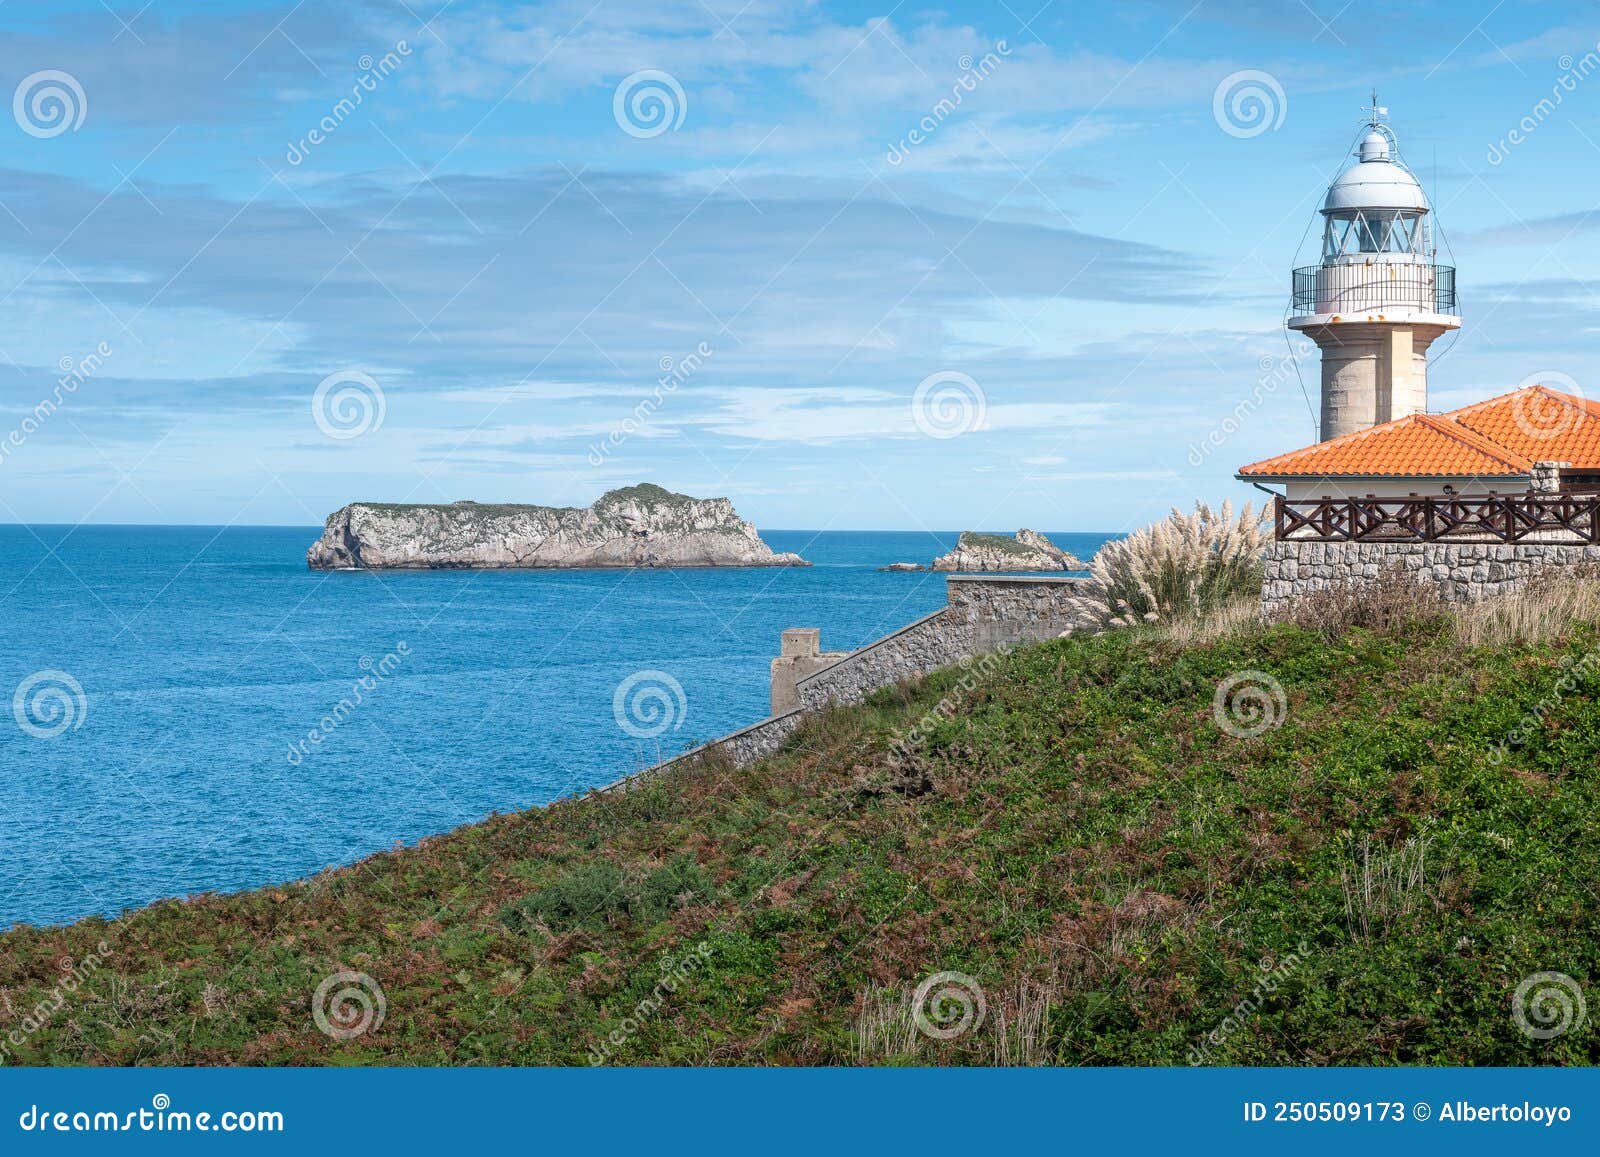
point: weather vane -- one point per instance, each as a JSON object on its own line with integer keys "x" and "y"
{"x": 1376, "y": 109}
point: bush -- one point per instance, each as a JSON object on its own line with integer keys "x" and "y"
{"x": 589, "y": 895}
{"x": 669, "y": 887}
{"x": 1182, "y": 567}
{"x": 594, "y": 895}
{"x": 1395, "y": 600}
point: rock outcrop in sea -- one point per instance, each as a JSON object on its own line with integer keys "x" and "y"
{"x": 643, "y": 525}
{"x": 1028, "y": 551}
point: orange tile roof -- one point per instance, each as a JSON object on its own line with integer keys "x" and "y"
{"x": 1501, "y": 437}
{"x": 1539, "y": 423}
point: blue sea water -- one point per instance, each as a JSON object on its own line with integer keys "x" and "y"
{"x": 205, "y": 655}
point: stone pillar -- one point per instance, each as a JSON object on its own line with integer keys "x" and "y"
{"x": 800, "y": 654}
{"x": 1545, "y": 477}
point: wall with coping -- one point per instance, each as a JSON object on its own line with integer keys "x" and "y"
{"x": 982, "y": 614}
{"x": 933, "y": 641}
{"x": 742, "y": 747}
{"x": 1006, "y": 611}
{"x": 1463, "y": 571}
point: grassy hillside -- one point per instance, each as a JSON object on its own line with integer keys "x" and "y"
{"x": 1126, "y": 883}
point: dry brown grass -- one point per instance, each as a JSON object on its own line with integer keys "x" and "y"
{"x": 1014, "y": 1031}
{"x": 1230, "y": 618}
{"x": 1546, "y": 608}
{"x": 1395, "y": 599}
{"x": 1385, "y": 885}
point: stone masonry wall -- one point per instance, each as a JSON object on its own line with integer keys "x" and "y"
{"x": 982, "y": 614}
{"x": 1463, "y": 571}
{"x": 743, "y": 747}
{"x": 933, "y": 641}
{"x": 1008, "y": 611}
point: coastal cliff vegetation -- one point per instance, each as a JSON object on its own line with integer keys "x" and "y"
{"x": 1362, "y": 861}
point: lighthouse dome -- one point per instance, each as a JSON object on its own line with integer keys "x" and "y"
{"x": 1375, "y": 181}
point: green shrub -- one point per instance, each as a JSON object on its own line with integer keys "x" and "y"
{"x": 594, "y": 895}
{"x": 664, "y": 889}
{"x": 589, "y": 896}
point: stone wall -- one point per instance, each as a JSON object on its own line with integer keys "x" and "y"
{"x": 1463, "y": 571}
{"x": 800, "y": 655}
{"x": 933, "y": 641}
{"x": 1006, "y": 611}
{"x": 982, "y": 614}
{"x": 742, "y": 747}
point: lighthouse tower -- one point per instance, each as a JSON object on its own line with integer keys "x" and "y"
{"x": 1378, "y": 300}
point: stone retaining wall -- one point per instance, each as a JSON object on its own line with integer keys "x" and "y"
{"x": 933, "y": 641}
{"x": 1463, "y": 571}
{"x": 1006, "y": 611}
{"x": 744, "y": 746}
{"x": 983, "y": 613}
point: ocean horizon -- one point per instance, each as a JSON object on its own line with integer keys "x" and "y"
{"x": 188, "y": 666}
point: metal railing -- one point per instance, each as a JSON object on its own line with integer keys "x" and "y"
{"x": 1380, "y": 285}
{"x": 1573, "y": 518}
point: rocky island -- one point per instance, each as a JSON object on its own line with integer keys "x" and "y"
{"x": 1028, "y": 551}
{"x": 645, "y": 526}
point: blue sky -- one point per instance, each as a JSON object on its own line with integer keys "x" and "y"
{"x": 1086, "y": 258}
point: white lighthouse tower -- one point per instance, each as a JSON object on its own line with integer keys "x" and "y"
{"x": 1378, "y": 300}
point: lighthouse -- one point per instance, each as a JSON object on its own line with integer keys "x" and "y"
{"x": 1378, "y": 299}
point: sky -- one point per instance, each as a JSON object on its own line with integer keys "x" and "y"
{"x": 854, "y": 266}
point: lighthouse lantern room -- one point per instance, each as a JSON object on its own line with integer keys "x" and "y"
{"x": 1378, "y": 299}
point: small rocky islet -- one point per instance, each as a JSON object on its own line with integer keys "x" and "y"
{"x": 976, "y": 553}
{"x": 636, "y": 526}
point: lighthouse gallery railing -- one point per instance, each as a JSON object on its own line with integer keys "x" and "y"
{"x": 1570, "y": 518}
{"x": 1380, "y": 285}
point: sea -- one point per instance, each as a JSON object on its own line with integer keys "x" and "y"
{"x": 190, "y": 709}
